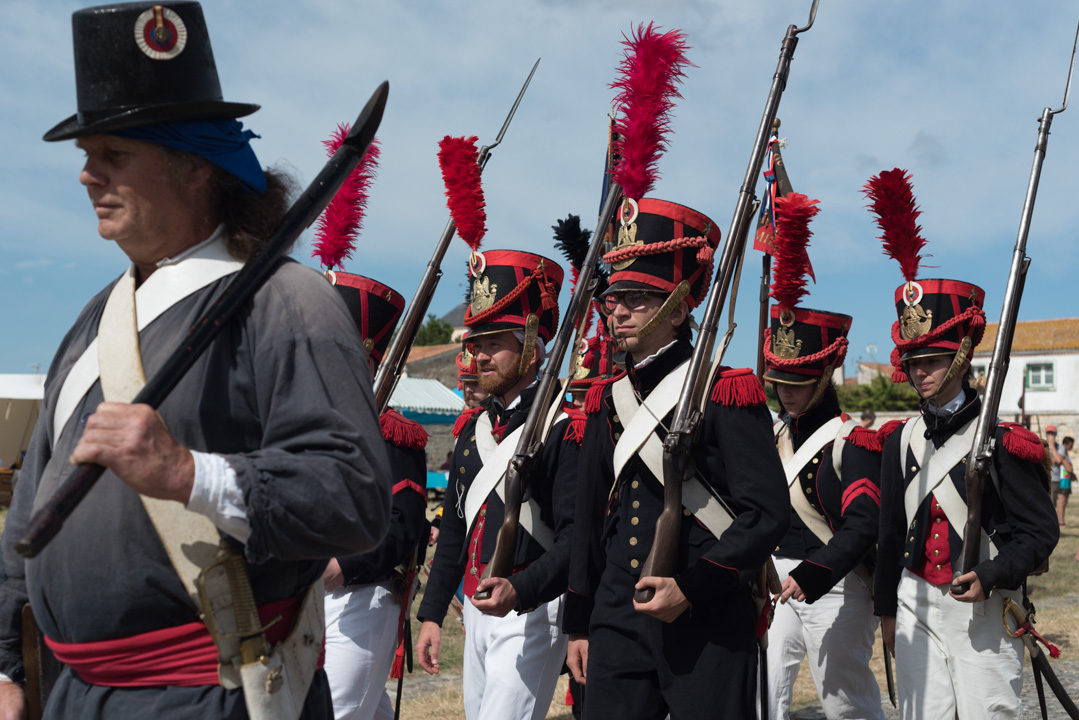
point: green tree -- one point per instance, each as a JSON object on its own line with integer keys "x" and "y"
{"x": 880, "y": 394}
{"x": 434, "y": 332}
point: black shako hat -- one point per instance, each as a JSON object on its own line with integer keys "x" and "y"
{"x": 374, "y": 307}
{"x": 513, "y": 290}
{"x": 804, "y": 343}
{"x": 139, "y": 64}
{"x": 663, "y": 246}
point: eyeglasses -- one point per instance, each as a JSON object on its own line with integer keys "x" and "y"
{"x": 632, "y": 300}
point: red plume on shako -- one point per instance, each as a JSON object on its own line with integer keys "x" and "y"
{"x": 508, "y": 289}
{"x": 375, "y": 307}
{"x": 661, "y": 246}
{"x": 801, "y": 346}
{"x": 936, "y": 317}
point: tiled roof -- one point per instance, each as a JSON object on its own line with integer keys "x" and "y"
{"x": 422, "y": 352}
{"x": 1057, "y": 335}
{"x": 882, "y": 368}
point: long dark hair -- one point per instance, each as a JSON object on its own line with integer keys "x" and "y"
{"x": 250, "y": 218}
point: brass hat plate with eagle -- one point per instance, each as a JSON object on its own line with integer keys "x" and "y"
{"x": 627, "y": 232}
{"x": 484, "y": 291}
{"x": 784, "y": 345}
{"x": 915, "y": 320}
{"x": 580, "y": 372}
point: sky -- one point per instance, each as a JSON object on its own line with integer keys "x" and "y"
{"x": 949, "y": 91}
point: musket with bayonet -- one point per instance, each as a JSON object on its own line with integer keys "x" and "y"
{"x": 981, "y": 454}
{"x": 531, "y": 441}
{"x": 662, "y": 560}
{"x": 389, "y": 370}
{"x": 650, "y": 85}
{"x": 49, "y": 518}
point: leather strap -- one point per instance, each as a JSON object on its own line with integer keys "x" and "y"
{"x": 932, "y": 476}
{"x": 168, "y": 285}
{"x": 496, "y": 458}
{"x": 639, "y": 437}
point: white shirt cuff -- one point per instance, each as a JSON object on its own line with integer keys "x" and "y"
{"x": 216, "y": 494}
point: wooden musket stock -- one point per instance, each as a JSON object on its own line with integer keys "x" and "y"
{"x": 48, "y": 520}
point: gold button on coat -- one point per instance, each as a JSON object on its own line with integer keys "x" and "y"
{"x": 634, "y": 484}
{"x": 633, "y": 541}
{"x": 634, "y": 521}
{"x": 636, "y": 504}
{"x": 633, "y": 563}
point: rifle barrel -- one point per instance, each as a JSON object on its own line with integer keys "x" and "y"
{"x": 389, "y": 370}
{"x": 982, "y": 448}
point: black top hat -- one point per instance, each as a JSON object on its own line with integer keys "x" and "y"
{"x": 508, "y": 288}
{"x": 139, "y": 64}
{"x": 375, "y": 308}
{"x": 660, "y": 245}
{"x": 801, "y": 343}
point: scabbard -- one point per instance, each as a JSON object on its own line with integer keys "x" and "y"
{"x": 1041, "y": 663}
{"x": 888, "y": 673}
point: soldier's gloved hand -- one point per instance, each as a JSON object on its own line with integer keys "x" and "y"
{"x": 132, "y": 441}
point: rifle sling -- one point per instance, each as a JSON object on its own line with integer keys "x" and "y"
{"x": 496, "y": 457}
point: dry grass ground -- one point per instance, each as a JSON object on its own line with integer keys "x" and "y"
{"x": 1056, "y": 595}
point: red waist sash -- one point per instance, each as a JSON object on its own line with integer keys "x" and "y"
{"x": 183, "y": 656}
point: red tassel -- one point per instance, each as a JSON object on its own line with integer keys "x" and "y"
{"x": 1054, "y": 651}
{"x": 866, "y": 439}
{"x": 398, "y": 668}
{"x": 740, "y": 388}
{"x": 885, "y": 431}
{"x": 593, "y": 399}
{"x": 1022, "y": 443}
{"x": 764, "y": 619}
{"x": 569, "y": 697}
{"x": 463, "y": 419}
{"x": 577, "y": 422}
{"x": 402, "y": 432}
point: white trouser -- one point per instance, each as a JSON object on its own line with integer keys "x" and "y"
{"x": 361, "y": 637}
{"x": 954, "y": 659}
{"x": 512, "y": 663}
{"x": 837, "y": 633}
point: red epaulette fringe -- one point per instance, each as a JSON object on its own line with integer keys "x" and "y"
{"x": 593, "y": 399}
{"x": 1022, "y": 443}
{"x": 468, "y": 414}
{"x": 402, "y": 432}
{"x": 866, "y": 439}
{"x": 577, "y": 420}
{"x": 738, "y": 387}
{"x": 885, "y": 431}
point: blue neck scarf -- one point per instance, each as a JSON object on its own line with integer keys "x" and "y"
{"x": 224, "y": 143}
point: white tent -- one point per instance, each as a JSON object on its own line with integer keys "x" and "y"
{"x": 20, "y": 401}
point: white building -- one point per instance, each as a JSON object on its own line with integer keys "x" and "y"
{"x": 1043, "y": 373}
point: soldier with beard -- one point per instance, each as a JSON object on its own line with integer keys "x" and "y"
{"x": 513, "y": 646}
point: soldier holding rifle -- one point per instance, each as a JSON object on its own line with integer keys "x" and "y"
{"x": 271, "y": 441}
{"x": 825, "y": 610}
{"x": 692, "y": 649}
{"x": 513, "y": 645}
{"x": 953, "y": 655}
